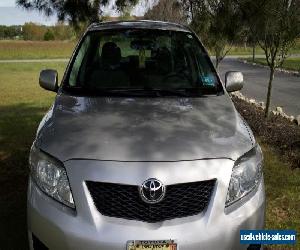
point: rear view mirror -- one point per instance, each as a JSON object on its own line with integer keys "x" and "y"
{"x": 49, "y": 79}
{"x": 234, "y": 81}
{"x": 142, "y": 44}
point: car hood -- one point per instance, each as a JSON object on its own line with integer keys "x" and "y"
{"x": 143, "y": 129}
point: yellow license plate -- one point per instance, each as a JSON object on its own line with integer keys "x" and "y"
{"x": 152, "y": 245}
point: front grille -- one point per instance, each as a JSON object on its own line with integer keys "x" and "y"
{"x": 124, "y": 201}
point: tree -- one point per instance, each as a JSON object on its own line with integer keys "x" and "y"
{"x": 63, "y": 32}
{"x": 218, "y": 23}
{"x": 276, "y": 24}
{"x": 74, "y": 11}
{"x": 32, "y": 31}
{"x": 167, "y": 10}
{"x": 49, "y": 36}
{"x": 126, "y": 14}
{"x": 10, "y": 32}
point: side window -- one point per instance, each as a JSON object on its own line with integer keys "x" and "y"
{"x": 207, "y": 76}
{"x": 78, "y": 61}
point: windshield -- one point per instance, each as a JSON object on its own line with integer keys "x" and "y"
{"x": 141, "y": 62}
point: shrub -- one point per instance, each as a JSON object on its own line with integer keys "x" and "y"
{"x": 49, "y": 36}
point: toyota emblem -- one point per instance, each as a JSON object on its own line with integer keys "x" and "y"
{"x": 152, "y": 191}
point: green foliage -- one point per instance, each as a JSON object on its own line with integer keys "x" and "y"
{"x": 37, "y": 32}
{"x": 49, "y": 36}
{"x": 63, "y": 32}
{"x": 218, "y": 23}
{"x": 126, "y": 16}
{"x": 74, "y": 11}
{"x": 33, "y": 32}
{"x": 10, "y": 32}
{"x": 167, "y": 10}
{"x": 275, "y": 24}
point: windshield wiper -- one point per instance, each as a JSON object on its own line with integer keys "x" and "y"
{"x": 129, "y": 91}
{"x": 171, "y": 92}
{"x": 184, "y": 92}
{"x": 115, "y": 91}
{"x": 145, "y": 91}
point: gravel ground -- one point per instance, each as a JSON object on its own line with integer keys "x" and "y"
{"x": 281, "y": 134}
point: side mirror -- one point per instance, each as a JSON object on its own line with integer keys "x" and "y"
{"x": 49, "y": 79}
{"x": 234, "y": 81}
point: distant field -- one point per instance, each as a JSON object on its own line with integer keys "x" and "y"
{"x": 64, "y": 49}
{"x": 290, "y": 63}
{"x": 35, "y": 49}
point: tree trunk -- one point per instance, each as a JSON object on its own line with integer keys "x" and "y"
{"x": 253, "y": 53}
{"x": 269, "y": 92}
{"x": 217, "y": 61}
{"x": 218, "y": 56}
{"x": 192, "y": 10}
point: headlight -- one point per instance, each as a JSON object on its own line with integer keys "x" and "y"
{"x": 246, "y": 175}
{"x": 50, "y": 176}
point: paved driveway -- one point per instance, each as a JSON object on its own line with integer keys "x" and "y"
{"x": 286, "y": 87}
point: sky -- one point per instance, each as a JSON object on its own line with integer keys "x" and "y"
{"x": 12, "y": 15}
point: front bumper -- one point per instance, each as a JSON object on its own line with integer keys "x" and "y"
{"x": 59, "y": 227}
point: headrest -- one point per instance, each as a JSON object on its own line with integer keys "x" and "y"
{"x": 111, "y": 53}
{"x": 164, "y": 59}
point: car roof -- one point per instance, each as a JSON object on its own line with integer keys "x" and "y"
{"x": 140, "y": 24}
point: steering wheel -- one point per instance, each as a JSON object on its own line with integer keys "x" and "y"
{"x": 178, "y": 74}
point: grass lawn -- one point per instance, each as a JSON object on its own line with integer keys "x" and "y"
{"x": 35, "y": 49}
{"x": 283, "y": 195}
{"x": 22, "y": 105}
{"x": 290, "y": 63}
{"x": 241, "y": 50}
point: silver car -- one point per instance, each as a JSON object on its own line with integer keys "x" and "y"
{"x": 143, "y": 148}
